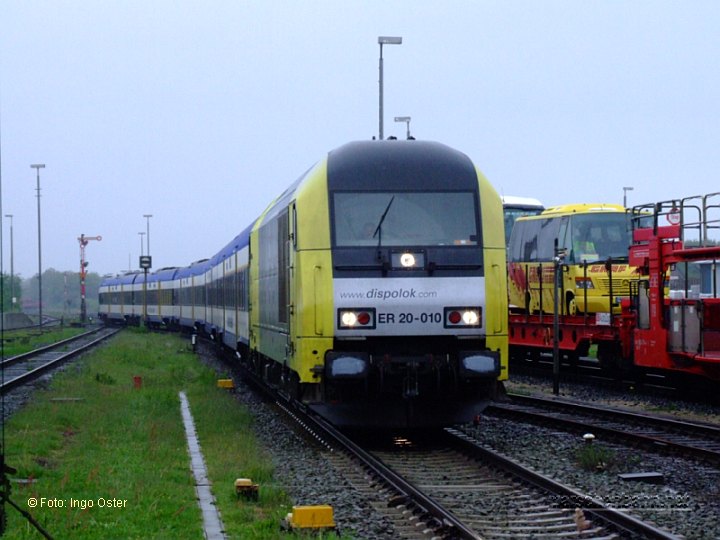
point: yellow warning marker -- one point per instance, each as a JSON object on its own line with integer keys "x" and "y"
{"x": 246, "y": 488}
{"x": 226, "y": 383}
{"x": 310, "y": 517}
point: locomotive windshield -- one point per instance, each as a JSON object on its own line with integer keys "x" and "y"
{"x": 404, "y": 218}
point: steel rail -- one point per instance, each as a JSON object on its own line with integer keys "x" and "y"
{"x": 445, "y": 521}
{"x": 615, "y": 518}
{"x": 32, "y": 374}
{"x": 46, "y": 348}
{"x": 707, "y": 429}
{"x": 652, "y": 441}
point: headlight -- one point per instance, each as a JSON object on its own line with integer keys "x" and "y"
{"x": 463, "y": 317}
{"x": 353, "y": 318}
{"x": 407, "y": 260}
{"x": 584, "y": 283}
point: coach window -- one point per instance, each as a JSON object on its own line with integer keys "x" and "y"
{"x": 529, "y": 249}
{"x": 515, "y": 248}
{"x": 583, "y": 242}
{"x": 549, "y": 231}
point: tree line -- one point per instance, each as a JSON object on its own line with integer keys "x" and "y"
{"x": 60, "y": 293}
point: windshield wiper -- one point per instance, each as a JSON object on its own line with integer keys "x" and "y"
{"x": 378, "y": 229}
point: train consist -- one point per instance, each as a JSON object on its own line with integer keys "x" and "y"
{"x": 373, "y": 289}
{"x": 653, "y": 304}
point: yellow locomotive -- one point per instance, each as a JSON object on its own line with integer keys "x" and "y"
{"x": 374, "y": 289}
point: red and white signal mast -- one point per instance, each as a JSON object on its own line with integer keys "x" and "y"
{"x": 84, "y": 240}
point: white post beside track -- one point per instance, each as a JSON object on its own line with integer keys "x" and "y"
{"x": 212, "y": 523}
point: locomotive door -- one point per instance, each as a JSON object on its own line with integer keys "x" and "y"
{"x": 288, "y": 263}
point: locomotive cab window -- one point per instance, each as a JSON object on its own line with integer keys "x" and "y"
{"x": 404, "y": 218}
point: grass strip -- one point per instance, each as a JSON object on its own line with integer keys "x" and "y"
{"x": 21, "y": 341}
{"x": 106, "y": 459}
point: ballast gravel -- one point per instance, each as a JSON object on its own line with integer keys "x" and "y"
{"x": 306, "y": 475}
{"x": 687, "y": 503}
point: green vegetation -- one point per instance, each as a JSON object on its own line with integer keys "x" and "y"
{"x": 21, "y": 341}
{"x": 11, "y": 285}
{"x": 665, "y": 408}
{"x": 106, "y": 459}
{"x": 61, "y": 293}
{"x": 595, "y": 457}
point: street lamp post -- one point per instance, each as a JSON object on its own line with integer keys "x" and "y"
{"x": 147, "y": 217}
{"x": 405, "y": 119}
{"x": 625, "y": 190}
{"x": 37, "y": 168}
{"x": 141, "y": 243}
{"x": 384, "y": 40}
{"x": 12, "y": 265}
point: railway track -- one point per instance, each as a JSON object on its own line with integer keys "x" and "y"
{"x": 589, "y": 372}
{"x": 657, "y": 433}
{"x": 453, "y": 488}
{"x": 23, "y": 368}
{"x": 491, "y": 501}
{"x": 581, "y": 370}
{"x": 447, "y": 486}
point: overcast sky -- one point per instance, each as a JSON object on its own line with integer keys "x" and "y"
{"x": 201, "y": 112}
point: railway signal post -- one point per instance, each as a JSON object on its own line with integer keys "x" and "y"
{"x": 84, "y": 240}
{"x": 145, "y": 264}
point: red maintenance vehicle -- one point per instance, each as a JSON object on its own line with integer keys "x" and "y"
{"x": 672, "y": 322}
{"x": 664, "y": 320}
